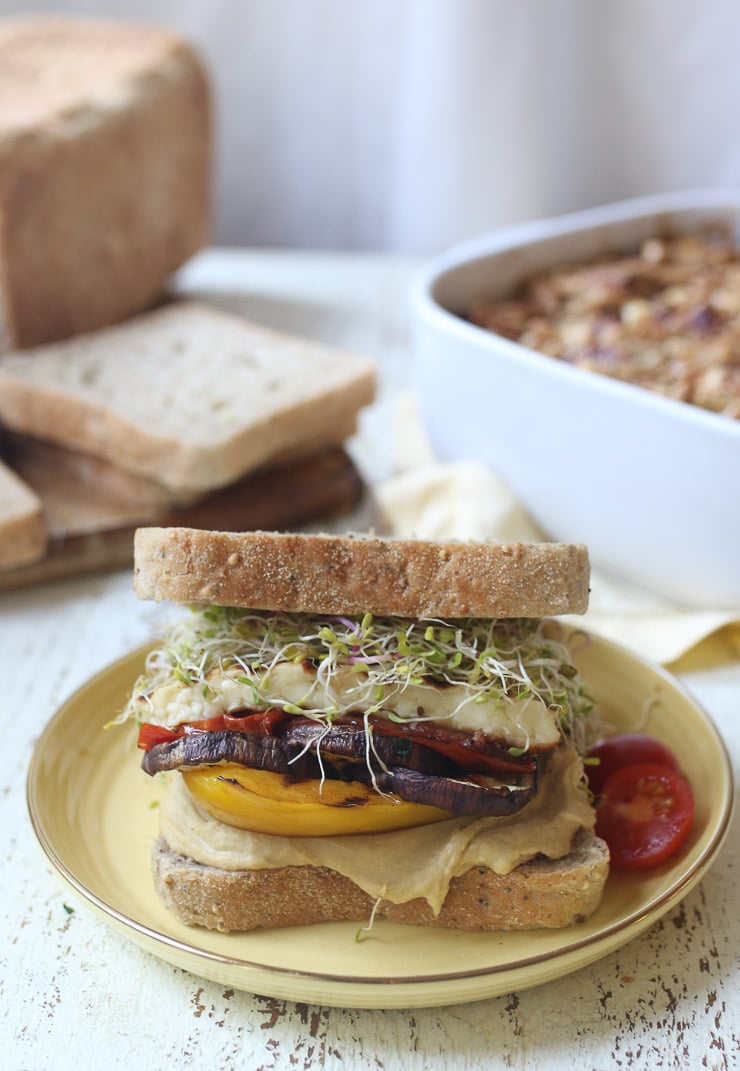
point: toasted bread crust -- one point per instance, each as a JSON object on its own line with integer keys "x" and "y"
{"x": 541, "y": 894}
{"x": 360, "y": 574}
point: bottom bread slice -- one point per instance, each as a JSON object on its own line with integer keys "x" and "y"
{"x": 542, "y": 893}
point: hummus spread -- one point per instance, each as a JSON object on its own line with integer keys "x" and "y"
{"x": 402, "y": 865}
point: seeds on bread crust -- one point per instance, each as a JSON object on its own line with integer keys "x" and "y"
{"x": 360, "y": 574}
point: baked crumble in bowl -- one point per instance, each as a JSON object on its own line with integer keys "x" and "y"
{"x": 593, "y": 361}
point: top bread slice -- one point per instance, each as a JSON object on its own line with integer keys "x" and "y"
{"x": 187, "y": 395}
{"x": 105, "y": 171}
{"x": 357, "y": 574}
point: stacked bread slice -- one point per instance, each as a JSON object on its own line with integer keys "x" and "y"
{"x": 184, "y": 413}
{"x": 23, "y": 529}
{"x": 119, "y": 406}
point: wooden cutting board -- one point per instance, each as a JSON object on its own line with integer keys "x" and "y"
{"x": 92, "y": 531}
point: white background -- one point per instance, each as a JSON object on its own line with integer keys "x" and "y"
{"x": 407, "y": 125}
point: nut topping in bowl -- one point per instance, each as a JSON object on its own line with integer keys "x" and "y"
{"x": 666, "y": 318}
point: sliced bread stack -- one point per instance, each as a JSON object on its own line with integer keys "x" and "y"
{"x": 118, "y": 406}
{"x": 186, "y": 414}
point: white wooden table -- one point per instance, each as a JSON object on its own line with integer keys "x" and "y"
{"x": 76, "y": 993}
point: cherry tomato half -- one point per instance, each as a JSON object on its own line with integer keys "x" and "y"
{"x": 645, "y": 815}
{"x": 625, "y": 749}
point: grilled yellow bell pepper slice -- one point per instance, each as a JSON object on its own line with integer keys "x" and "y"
{"x": 265, "y": 802}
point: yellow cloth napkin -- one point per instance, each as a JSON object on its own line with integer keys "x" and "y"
{"x": 427, "y": 499}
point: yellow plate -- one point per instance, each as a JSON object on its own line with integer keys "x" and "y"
{"x": 94, "y": 813}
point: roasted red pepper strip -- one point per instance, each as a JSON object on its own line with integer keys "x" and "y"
{"x": 258, "y": 721}
{"x": 470, "y": 751}
{"x": 150, "y": 735}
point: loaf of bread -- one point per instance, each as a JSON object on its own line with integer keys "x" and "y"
{"x": 22, "y": 526}
{"x": 359, "y": 574}
{"x": 541, "y": 894}
{"x": 187, "y": 395}
{"x": 105, "y": 161}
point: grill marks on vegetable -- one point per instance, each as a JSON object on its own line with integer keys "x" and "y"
{"x": 461, "y": 773}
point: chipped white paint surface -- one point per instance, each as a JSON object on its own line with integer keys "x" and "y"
{"x": 76, "y": 993}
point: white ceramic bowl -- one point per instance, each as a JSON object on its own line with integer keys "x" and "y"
{"x": 650, "y": 484}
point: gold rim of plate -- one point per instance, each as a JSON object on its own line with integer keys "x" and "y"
{"x": 94, "y": 813}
